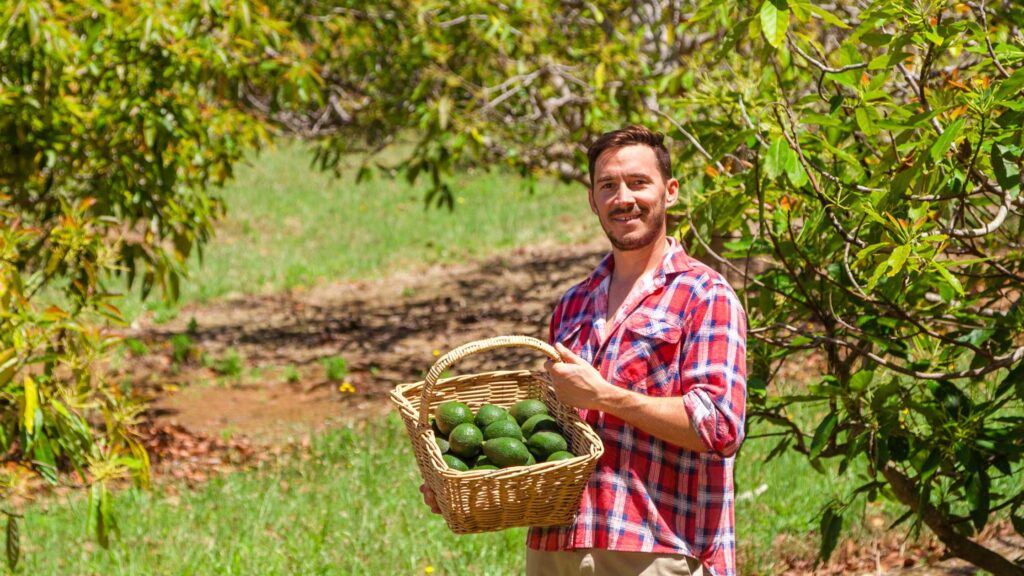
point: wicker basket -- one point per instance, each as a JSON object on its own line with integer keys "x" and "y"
{"x": 545, "y": 494}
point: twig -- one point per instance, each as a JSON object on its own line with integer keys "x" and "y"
{"x": 835, "y": 180}
{"x": 460, "y": 19}
{"x": 690, "y": 137}
{"x": 987, "y": 312}
{"x": 920, "y": 96}
{"x": 820, "y": 65}
{"x": 988, "y": 42}
{"x": 723, "y": 259}
{"x": 846, "y": 264}
{"x": 526, "y": 80}
{"x": 750, "y": 124}
{"x": 825, "y": 202}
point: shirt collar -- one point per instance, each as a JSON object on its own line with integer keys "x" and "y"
{"x": 676, "y": 260}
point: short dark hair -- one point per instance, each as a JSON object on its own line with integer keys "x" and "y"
{"x": 628, "y": 136}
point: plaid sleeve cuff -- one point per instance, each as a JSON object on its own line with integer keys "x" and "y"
{"x": 714, "y": 431}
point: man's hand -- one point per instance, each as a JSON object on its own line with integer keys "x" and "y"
{"x": 428, "y": 499}
{"x": 579, "y": 384}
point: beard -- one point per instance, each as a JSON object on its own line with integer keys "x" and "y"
{"x": 653, "y": 220}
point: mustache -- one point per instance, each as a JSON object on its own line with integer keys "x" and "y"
{"x": 627, "y": 211}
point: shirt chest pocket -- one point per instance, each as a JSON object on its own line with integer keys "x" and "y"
{"x": 648, "y": 359}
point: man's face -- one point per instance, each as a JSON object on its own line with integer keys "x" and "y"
{"x": 630, "y": 196}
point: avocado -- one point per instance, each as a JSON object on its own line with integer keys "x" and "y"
{"x": 505, "y": 452}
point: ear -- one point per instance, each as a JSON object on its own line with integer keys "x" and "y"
{"x": 590, "y": 198}
{"x": 671, "y": 192}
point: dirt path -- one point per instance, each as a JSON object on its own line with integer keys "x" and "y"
{"x": 387, "y": 331}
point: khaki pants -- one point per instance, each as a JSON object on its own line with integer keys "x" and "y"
{"x": 595, "y": 562}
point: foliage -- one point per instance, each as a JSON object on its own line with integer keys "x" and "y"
{"x": 335, "y": 368}
{"x": 291, "y": 374}
{"x": 52, "y": 392}
{"x": 136, "y": 347}
{"x": 230, "y": 364}
{"x": 117, "y": 122}
{"x": 183, "y": 349}
{"x": 862, "y": 162}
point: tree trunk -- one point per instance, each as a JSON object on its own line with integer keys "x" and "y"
{"x": 959, "y": 545}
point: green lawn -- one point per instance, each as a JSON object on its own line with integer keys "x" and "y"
{"x": 350, "y": 505}
{"x": 290, "y": 225}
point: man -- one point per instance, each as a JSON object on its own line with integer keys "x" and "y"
{"x": 653, "y": 345}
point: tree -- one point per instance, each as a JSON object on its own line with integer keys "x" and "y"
{"x": 861, "y": 160}
{"x": 116, "y": 126}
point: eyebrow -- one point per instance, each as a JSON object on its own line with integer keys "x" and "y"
{"x": 630, "y": 175}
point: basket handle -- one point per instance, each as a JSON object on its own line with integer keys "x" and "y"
{"x": 446, "y": 361}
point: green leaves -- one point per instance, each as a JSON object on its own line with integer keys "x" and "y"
{"x": 776, "y": 158}
{"x": 830, "y": 527}
{"x": 979, "y": 498}
{"x": 860, "y": 381}
{"x": 118, "y": 126}
{"x": 946, "y": 139}
{"x": 775, "y": 21}
{"x": 781, "y": 159}
{"x": 948, "y": 276}
{"x": 101, "y": 514}
{"x": 823, "y": 434}
{"x": 1006, "y": 167}
{"x": 865, "y": 267}
{"x": 13, "y": 542}
{"x": 890, "y": 267}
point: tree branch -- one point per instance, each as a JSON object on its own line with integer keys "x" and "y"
{"x": 962, "y": 546}
{"x": 998, "y": 362}
{"x": 988, "y": 228}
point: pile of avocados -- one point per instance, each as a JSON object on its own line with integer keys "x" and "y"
{"x": 494, "y": 437}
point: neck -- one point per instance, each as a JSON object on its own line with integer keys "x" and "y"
{"x": 631, "y": 264}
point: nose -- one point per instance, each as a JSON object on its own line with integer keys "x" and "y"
{"x": 623, "y": 194}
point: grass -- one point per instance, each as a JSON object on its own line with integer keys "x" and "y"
{"x": 350, "y": 505}
{"x": 289, "y": 225}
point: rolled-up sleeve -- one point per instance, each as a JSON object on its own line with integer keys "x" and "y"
{"x": 713, "y": 368}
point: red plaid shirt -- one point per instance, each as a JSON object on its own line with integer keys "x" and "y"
{"x": 680, "y": 332}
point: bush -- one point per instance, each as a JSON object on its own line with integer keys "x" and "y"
{"x": 117, "y": 123}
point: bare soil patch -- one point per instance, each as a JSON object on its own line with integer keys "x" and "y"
{"x": 387, "y": 331}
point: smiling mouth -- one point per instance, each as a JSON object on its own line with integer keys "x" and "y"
{"x": 626, "y": 217}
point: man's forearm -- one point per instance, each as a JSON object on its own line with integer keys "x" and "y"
{"x": 664, "y": 418}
